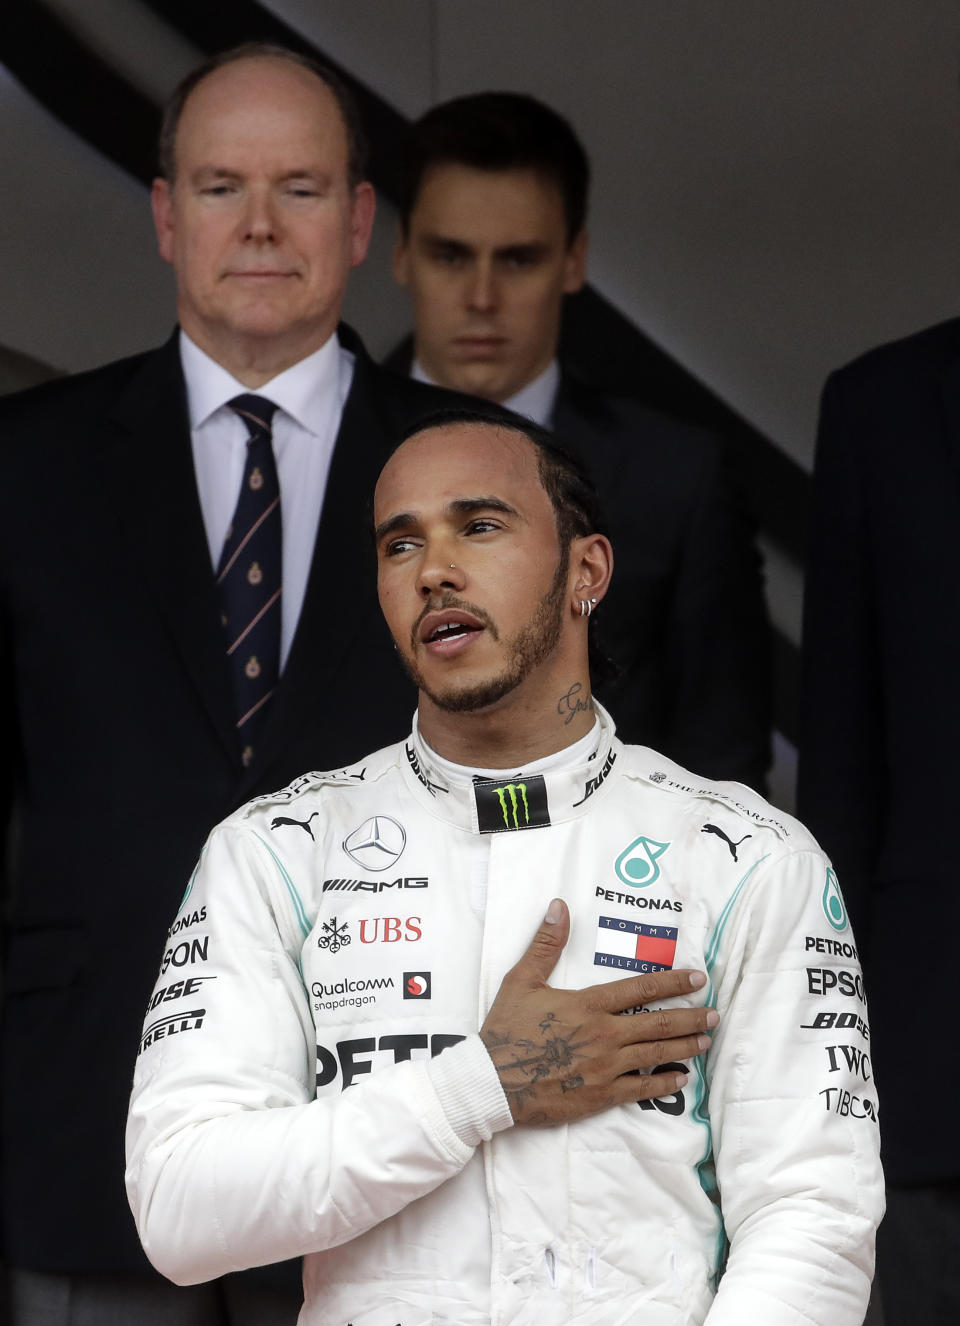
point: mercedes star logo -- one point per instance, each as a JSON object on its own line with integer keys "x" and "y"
{"x": 376, "y": 844}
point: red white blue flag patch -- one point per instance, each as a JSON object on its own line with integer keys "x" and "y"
{"x": 634, "y": 946}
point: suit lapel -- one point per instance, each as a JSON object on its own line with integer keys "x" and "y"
{"x": 148, "y": 469}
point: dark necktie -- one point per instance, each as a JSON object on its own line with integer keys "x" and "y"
{"x": 249, "y": 576}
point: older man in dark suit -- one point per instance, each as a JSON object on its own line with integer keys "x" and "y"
{"x": 187, "y": 618}
{"x": 492, "y": 238}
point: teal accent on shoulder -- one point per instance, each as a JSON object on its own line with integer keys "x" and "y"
{"x": 295, "y": 898}
{"x": 706, "y": 1172}
{"x": 189, "y": 888}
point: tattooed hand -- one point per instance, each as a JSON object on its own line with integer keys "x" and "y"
{"x": 565, "y": 1054}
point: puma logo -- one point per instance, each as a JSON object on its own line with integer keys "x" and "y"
{"x": 304, "y": 824}
{"x": 712, "y": 828}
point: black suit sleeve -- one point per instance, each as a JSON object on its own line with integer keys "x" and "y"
{"x": 8, "y": 744}
{"x": 685, "y": 618}
{"x": 841, "y": 788}
{"x": 717, "y": 641}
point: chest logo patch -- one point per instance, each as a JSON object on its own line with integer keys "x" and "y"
{"x": 416, "y": 985}
{"x": 520, "y": 803}
{"x": 334, "y": 937}
{"x": 637, "y": 865}
{"x": 377, "y": 843}
{"x": 833, "y": 905}
{"x": 733, "y": 845}
{"x": 634, "y": 945}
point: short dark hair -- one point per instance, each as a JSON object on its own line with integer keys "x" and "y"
{"x": 262, "y": 50}
{"x": 497, "y": 131}
{"x": 575, "y": 502}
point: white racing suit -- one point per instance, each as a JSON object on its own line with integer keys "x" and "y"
{"x": 311, "y": 1081}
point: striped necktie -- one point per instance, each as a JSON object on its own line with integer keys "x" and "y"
{"x": 249, "y": 577}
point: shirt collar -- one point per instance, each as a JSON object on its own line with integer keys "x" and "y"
{"x": 301, "y": 391}
{"x": 534, "y": 401}
{"x": 521, "y": 800}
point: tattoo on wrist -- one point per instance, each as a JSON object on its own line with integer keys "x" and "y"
{"x": 571, "y": 704}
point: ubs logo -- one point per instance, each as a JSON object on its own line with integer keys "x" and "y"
{"x": 390, "y": 930}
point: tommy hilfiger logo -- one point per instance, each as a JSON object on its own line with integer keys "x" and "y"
{"x": 634, "y": 945}
{"x": 518, "y": 804}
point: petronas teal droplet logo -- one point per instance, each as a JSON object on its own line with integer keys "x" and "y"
{"x": 833, "y": 906}
{"x": 637, "y": 864}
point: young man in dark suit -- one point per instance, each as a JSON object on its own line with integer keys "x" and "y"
{"x": 492, "y": 238}
{"x": 170, "y": 648}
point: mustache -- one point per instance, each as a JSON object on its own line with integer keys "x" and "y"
{"x": 450, "y": 600}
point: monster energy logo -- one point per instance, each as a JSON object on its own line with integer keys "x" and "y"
{"x": 502, "y": 807}
{"x": 511, "y": 791}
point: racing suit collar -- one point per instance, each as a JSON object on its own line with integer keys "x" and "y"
{"x": 513, "y": 801}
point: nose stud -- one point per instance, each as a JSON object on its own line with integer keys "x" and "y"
{"x": 453, "y": 566}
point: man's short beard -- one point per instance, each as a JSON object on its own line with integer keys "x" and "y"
{"x": 534, "y": 643}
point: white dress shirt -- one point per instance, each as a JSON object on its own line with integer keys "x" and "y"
{"x": 310, "y": 398}
{"x": 534, "y": 401}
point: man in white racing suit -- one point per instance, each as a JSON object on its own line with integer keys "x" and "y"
{"x": 353, "y": 1052}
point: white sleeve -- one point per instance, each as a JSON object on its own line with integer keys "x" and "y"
{"x": 231, "y": 1161}
{"x": 792, "y": 1104}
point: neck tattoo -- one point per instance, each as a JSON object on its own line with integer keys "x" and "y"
{"x": 572, "y": 703}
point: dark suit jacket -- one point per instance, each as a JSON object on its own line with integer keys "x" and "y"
{"x": 685, "y": 616}
{"x": 880, "y": 741}
{"x": 120, "y": 748}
